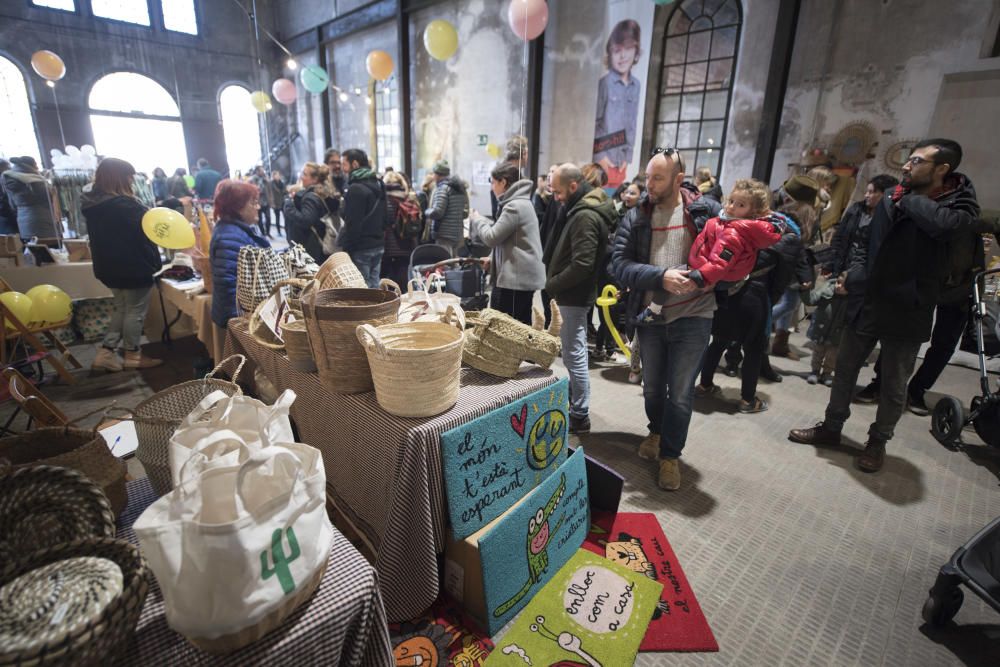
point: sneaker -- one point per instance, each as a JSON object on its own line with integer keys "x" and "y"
{"x": 872, "y": 458}
{"x": 812, "y": 379}
{"x": 579, "y": 425}
{"x": 669, "y": 478}
{"x": 137, "y": 360}
{"x": 634, "y": 377}
{"x": 817, "y": 435}
{"x": 649, "y": 448}
{"x": 916, "y": 405}
{"x": 768, "y": 373}
{"x": 826, "y": 379}
{"x": 867, "y": 395}
{"x": 107, "y": 360}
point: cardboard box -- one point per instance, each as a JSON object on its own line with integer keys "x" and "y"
{"x": 78, "y": 249}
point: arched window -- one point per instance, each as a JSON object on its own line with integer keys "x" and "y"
{"x": 240, "y": 127}
{"x": 18, "y": 136}
{"x": 134, "y": 118}
{"x": 696, "y": 82}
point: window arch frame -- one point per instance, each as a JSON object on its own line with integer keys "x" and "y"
{"x": 29, "y": 92}
{"x": 218, "y": 106}
{"x": 663, "y": 81}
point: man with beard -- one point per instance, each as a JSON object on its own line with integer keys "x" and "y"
{"x": 908, "y": 266}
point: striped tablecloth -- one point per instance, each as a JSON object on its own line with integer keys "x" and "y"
{"x": 343, "y": 623}
{"x": 384, "y": 472}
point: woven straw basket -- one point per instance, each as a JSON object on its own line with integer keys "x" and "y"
{"x": 99, "y": 631}
{"x": 497, "y": 344}
{"x": 79, "y": 449}
{"x": 338, "y": 271}
{"x": 297, "y": 346}
{"x": 416, "y": 366}
{"x": 332, "y": 318}
{"x": 157, "y": 417}
{"x": 260, "y": 332}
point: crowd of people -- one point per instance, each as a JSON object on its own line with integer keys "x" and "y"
{"x": 705, "y": 281}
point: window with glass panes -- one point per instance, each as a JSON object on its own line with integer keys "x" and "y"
{"x": 699, "y": 58}
{"x": 388, "y": 140}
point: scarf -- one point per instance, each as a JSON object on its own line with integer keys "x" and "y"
{"x": 361, "y": 173}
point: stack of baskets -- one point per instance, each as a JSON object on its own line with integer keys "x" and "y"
{"x": 338, "y": 271}
{"x": 497, "y": 344}
{"x": 157, "y": 417}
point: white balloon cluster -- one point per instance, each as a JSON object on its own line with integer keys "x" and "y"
{"x": 74, "y": 159}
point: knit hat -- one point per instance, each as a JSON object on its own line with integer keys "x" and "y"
{"x": 801, "y": 189}
{"x": 441, "y": 168}
{"x": 25, "y": 162}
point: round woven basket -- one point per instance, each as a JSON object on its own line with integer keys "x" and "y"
{"x": 332, "y": 318}
{"x": 297, "y": 346}
{"x": 416, "y": 366}
{"x": 79, "y": 449}
{"x": 45, "y": 505}
{"x": 157, "y": 417}
{"x": 338, "y": 271}
{"x": 256, "y": 326}
{"x": 94, "y": 640}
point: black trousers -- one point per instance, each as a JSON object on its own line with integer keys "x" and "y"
{"x": 743, "y": 321}
{"x": 277, "y": 221}
{"x": 264, "y": 220}
{"x": 514, "y": 302}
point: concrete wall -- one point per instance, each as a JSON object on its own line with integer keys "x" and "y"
{"x": 195, "y": 66}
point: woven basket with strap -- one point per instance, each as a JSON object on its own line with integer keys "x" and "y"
{"x": 497, "y": 344}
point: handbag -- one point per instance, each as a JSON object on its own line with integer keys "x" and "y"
{"x": 425, "y": 305}
{"x": 236, "y": 549}
{"x": 299, "y": 262}
{"x": 332, "y": 224}
{"x": 258, "y": 270}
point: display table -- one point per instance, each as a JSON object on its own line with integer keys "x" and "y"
{"x": 384, "y": 472}
{"x": 343, "y": 623}
{"x": 194, "y": 305}
{"x": 75, "y": 278}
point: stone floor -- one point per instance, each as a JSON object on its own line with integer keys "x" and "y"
{"x": 796, "y": 557}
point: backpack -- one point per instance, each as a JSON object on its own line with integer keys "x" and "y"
{"x": 409, "y": 222}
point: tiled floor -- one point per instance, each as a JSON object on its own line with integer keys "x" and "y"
{"x": 796, "y": 557}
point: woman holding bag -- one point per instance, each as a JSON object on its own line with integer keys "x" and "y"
{"x": 305, "y": 209}
{"x": 236, "y": 207}
{"x": 516, "y": 262}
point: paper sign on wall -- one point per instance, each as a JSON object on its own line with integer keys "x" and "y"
{"x": 531, "y": 542}
{"x": 492, "y": 462}
{"x": 593, "y": 613}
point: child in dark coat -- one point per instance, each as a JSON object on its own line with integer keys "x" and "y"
{"x": 828, "y": 321}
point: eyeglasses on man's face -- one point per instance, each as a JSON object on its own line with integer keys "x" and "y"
{"x": 916, "y": 160}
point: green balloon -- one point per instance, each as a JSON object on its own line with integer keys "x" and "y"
{"x": 189, "y": 179}
{"x": 314, "y": 79}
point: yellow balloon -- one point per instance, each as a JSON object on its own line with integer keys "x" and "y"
{"x": 167, "y": 228}
{"x": 50, "y": 305}
{"x": 38, "y": 290}
{"x": 608, "y": 298}
{"x": 48, "y": 65}
{"x": 440, "y": 39}
{"x": 261, "y": 101}
{"x": 379, "y": 64}
{"x": 19, "y": 306}
{"x": 494, "y": 150}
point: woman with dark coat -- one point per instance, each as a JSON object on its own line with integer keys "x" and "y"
{"x": 124, "y": 260}
{"x": 396, "y": 258}
{"x": 304, "y": 211}
{"x": 29, "y": 193}
{"x": 236, "y": 206}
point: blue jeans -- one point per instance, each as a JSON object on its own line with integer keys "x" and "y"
{"x": 671, "y": 359}
{"x": 369, "y": 263}
{"x": 574, "y": 355}
{"x": 783, "y": 313}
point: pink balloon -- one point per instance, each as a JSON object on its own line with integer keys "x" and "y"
{"x": 528, "y": 18}
{"x": 284, "y": 91}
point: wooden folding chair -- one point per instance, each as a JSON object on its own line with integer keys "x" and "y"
{"x": 32, "y": 401}
{"x": 30, "y": 335}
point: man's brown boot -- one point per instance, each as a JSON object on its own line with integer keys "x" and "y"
{"x": 873, "y": 457}
{"x": 817, "y": 435}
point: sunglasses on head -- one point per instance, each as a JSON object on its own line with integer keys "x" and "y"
{"x": 667, "y": 152}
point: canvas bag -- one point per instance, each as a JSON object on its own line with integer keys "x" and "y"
{"x": 232, "y": 545}
{"x": 258, "y": 270}
{"x": 425, "y": 305}
{"x": 247, "y": 422}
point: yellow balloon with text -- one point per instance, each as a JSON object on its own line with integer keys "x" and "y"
{"x": 440, "y": 39}
{"x": 167, "y": 228}
{"x": 49, "y": 304}
{"x": 379, "y": 64}
{"x": 19, "y": 306}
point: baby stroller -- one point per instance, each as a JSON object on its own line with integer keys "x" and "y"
{"x": 462, "y": 276}
{"x": 977, "y": 566}
{"x": 948, "y": 418}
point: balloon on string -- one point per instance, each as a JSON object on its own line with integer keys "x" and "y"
{"x": 19, "y": 306}
{"x": 314, "y": 79}
{"x": 49, "y": 304}
{"x": 48, "y": 65}
{"x": 260, "y": 101}
{"x": 379, "y": 64}
{"x": 167, "y": 228}
{"x": 284, "y": 91}
{"x": 494, "y": 150}
{"x": 440, "y": 39}
{"x": 528, "y": 18}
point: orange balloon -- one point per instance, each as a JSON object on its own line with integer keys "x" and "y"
{"x": 48, "y": 65}
{"x": 379, "y": 64}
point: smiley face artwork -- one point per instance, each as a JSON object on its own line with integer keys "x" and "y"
{"x": 546, "y": 439}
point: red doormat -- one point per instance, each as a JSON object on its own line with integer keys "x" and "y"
{"x": 637, "y": 542}
{"x": 438, "y": 639}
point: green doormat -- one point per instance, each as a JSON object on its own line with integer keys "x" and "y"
{"x": 592, "y": 613}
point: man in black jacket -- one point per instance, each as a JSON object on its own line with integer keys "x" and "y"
{"x": 365, "y": 216}
{"x": 907, "y": 267}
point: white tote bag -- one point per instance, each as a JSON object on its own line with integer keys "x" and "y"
{"x": 236, "y": 549}
{"x": 249, "y": 421}
{"x": 424, "y": 305}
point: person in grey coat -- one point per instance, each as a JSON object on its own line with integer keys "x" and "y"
{"x": 516, "y": 262}
{"x": 29, "y": 193}
{"x": 448, "y": 209}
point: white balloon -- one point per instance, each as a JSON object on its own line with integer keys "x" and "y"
{"x": 55, "y": 152}
{"x": 87, "y": 149}
{"x": 72, "y": 150}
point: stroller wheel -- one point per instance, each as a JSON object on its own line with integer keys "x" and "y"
{"x": 947, "y": 420}
{"x": 939, "y": 609}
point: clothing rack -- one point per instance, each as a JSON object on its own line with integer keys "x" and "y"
{"x": 69, "y": 185}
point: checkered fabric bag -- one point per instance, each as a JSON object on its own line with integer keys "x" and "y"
{"x": 258, "y": 270}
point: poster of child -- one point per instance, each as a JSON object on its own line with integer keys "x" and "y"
{"x": 618, "y": 95}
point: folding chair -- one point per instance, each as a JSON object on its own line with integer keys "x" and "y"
{"x": 30, "y": 336}
{"x": 32, "y": 401}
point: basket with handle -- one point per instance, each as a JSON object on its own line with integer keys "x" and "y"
{"x": 416, "y": 366}
{"x": 157, "y": 417}
{"x": 338, "y": 271}
{"x": 332, "y": 317}
{"x": 424, "y": 305}
{"x": 297, "y": 346}
{"x": 256, "y": 325}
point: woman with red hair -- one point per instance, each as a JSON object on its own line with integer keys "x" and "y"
{"x": 236, "y": 207}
